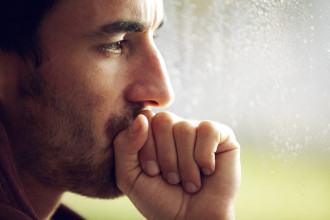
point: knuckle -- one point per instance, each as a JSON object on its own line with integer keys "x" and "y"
{"x": 226, "y": 129}
{"x": 234, "y": 142}
{"x": 207, "y": 129}
{"x": 230, "y": 131}
{"x": 162, "y": 121}
{"x": 228, "y": 138}
{"x": 183, "y": 128}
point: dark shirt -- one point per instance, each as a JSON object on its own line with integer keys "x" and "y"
{"x": 14, "y": 203}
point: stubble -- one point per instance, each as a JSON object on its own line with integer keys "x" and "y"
{"x": 58, "y": 144}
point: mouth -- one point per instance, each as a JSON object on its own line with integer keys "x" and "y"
{"x": 118, "y": 123}
{"x": 136, "y": 109}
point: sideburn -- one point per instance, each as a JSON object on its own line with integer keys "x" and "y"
{"x": 32, "y": 86}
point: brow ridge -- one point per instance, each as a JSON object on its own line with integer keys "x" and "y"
{"x": 119, "y": 27}
{"x": 124, "y": 27}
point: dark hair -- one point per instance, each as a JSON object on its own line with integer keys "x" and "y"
{"x": 19, "y": 27}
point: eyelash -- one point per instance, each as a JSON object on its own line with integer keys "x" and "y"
{"x": 115, "y": 47}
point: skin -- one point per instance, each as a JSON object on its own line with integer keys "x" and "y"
{"x": 82, "y": 122}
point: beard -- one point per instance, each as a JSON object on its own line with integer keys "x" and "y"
{"x": 58, "y": 145}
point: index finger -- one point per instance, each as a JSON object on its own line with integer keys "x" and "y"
{"x": 148, "y": 155}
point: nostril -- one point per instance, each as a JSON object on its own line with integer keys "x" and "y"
{"x": 151, "y": 103}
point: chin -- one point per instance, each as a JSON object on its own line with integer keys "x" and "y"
{"x": 108, "y": 193}
{"x": 97, "y": 182}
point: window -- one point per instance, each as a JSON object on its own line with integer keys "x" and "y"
{"x": 262, "y": 67}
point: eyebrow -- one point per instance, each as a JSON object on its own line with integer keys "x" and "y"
{"x": 122, "y": 27}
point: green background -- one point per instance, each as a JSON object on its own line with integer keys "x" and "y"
{"x": 271, "y": 189}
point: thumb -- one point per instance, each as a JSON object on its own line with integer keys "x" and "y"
{"x": 126, "y": 147}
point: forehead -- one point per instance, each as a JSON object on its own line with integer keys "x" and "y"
{"x": 88, "y": 14}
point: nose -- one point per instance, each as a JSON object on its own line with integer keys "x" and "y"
{"x": 149, "y": 78}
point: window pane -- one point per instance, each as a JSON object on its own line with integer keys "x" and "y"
{"x": 261, "y": 67}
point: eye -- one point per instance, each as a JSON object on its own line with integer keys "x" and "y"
{"x": 115, "y": 47}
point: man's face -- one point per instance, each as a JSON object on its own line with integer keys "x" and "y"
{"x": 100, "y": 69}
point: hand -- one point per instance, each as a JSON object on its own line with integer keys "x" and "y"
{"x": 173, "y": 169}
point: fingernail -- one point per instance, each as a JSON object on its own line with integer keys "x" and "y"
{"x": 190, "y": 187}
{"x": 173, "y": 178}
{"x": 135, "y": 126}
{"x": 206, "y": 171}
{"x": 152, "y": 168}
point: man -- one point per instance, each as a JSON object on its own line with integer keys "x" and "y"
{"x": 77, "y": 81}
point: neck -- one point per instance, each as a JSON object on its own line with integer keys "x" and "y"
{"x": 44, "y": 199}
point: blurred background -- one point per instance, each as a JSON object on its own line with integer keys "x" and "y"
{"x": 263, "y": 68}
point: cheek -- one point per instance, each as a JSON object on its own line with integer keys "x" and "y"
{"x": 85, "y": 79}
{"x": 99, "y": 83}
{"x": 101, "y": 90}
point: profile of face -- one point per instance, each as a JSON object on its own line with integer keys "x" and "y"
{"x": 100, "y": 69}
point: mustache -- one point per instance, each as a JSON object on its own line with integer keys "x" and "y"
{"x": 121, "y": 121}
{"x": 136, "y": 109}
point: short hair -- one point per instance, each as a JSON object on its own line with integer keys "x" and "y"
{"x": 20, "y": 22}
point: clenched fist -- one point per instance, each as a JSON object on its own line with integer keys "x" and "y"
{"x": 176, "y": 169}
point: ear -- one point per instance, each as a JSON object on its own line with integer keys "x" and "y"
{"x": 9, "y": 73}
